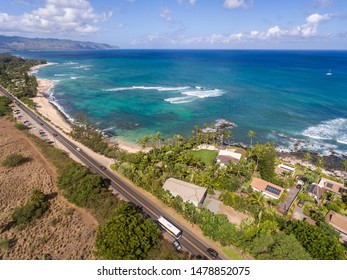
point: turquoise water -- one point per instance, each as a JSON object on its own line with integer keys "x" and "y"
{"x": 284, "y": 96}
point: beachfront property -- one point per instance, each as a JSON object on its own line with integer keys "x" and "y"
{"x": 283, "y": 169}
{"x": 225, "y": 156}
{"x": 337, "y": 221}
{"x": 332, "y": 186}
{"x": 189, "y": 192}
{"x": 326, "y": 185}
{"x": 268, "y": 189}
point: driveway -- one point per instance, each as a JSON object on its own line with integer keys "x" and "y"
{"x": 292, "y": 193}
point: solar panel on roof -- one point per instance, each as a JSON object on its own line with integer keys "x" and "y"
{"x": 273, "y": 190}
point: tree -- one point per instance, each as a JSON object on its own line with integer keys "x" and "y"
{"x": 126, "y": 235}
{"x": 251, "y": 134}
{"x": 265, "y": 155}
{"x": 307, "y": 157}
{"x": 32, "y": 210}
{"x": 344, "y": 164}
{"x": 278, "y": 246}
{"x": 319, "y": 163}
{"x": 317, "y": 240}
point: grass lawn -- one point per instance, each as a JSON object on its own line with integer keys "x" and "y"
{"x": 232, "y": 254}
{"x": 206, "y": 156}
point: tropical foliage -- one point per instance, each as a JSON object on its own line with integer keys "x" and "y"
{"x": 126, "y": 235}
{"x": 320, "y": 241}
{"x": 4, "y": 106}
{"x": 14, "y": 75}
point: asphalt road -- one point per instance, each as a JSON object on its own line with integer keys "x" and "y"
{"x": 188, "y": 240}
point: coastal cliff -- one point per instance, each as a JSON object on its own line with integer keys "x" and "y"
{"x": 15, "y": 43}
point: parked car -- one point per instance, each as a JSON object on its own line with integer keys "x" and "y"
{"x": 78, "y": 149}
{"x": 301, "y": 203}
{"x": 213, "y": 253}
{"x": 103, "y": 167}
{"x": 177, "y": 245}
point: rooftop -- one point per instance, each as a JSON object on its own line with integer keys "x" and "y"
{"x": 332, "y": 186}
{"x": 189, "y": 192}
{"x": 337, "y": 221}
{"x": 268, "y": 189}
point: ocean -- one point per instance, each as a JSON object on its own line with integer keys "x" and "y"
{"x": 298, "y": 99}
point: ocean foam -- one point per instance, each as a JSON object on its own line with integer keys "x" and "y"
{"x": 148, "y": 88}
{"x": 180, "y": 100}
{"x": 204, "y": 93}
{"x": 335, "y": 129}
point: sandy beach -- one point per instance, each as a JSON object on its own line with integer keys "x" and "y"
{"x": 48, "y": 110}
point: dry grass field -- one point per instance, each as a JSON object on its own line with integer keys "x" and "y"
{"x": 64, "y": 232}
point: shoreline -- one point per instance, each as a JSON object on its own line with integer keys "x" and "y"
{"x": 50, "y": 111}
{"x": 54, "y": 114}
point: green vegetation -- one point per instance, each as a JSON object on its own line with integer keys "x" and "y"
{"x": 32, "y": 210}
{"x": 13, "y": 160}
{"x": 31, "y": 104}
{"x": 14, "y": 75}
{"x": 126, "y": 235}
{"x": 87, "y": 190}
{"x": 206, "y": 156}
{"x": 88, "y": 134}
{"x": 265, "y": 157}
{"x": 278, "y": 246}
{"x": 5, "y": 244}
{"x": 4, "y": 106}
{"x": 320, "y": 241}
{"x": 21, "y": 126}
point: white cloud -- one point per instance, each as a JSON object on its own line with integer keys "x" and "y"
{"x": 317, "y": 18}
{"x": 57, "y": 17}
{"x": 191, "y": 2}
{"x": 234, "y": 4}
{"x": 308, "y": 29}
{"x": 165, "y": 13}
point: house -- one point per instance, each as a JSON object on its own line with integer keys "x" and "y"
{"x": 337, "y": 221}
{"x": 332, "y": 186}
{"x": 282, "y": 169}
{"x": 224, "y": 156}
{"x": 324, "y": 186}
{"x": 316, "y": 191}
{"x": 268, "y": 189}
{"x": 189, "y": 192}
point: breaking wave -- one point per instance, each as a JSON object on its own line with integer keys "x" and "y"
{"x": 335, "y": 129}
{"x": 148, "y": 88}
{"x": 190, "y": 93}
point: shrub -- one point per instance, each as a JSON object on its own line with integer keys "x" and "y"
{"x": 14, "y": 160}
{"x": 21, "y": 126}
{"x": 32, "y": 210}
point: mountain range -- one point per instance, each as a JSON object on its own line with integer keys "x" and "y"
{"x": 16, "y": 43}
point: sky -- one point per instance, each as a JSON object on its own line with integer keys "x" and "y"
{"x": 182, "y": 24}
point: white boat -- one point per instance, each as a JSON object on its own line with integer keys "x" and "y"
{"x": 329, "y": 73}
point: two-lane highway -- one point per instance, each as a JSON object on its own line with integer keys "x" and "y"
{"x": 189, "y": 241}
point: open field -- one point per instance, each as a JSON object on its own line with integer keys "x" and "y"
{"x": 64, "y": 232}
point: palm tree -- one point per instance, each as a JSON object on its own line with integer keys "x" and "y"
{"x": 307, "y": 157}
{"x": 251, "y": 134}
{"x": 158, "y": 138}
{"x": 344, "y": 164}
